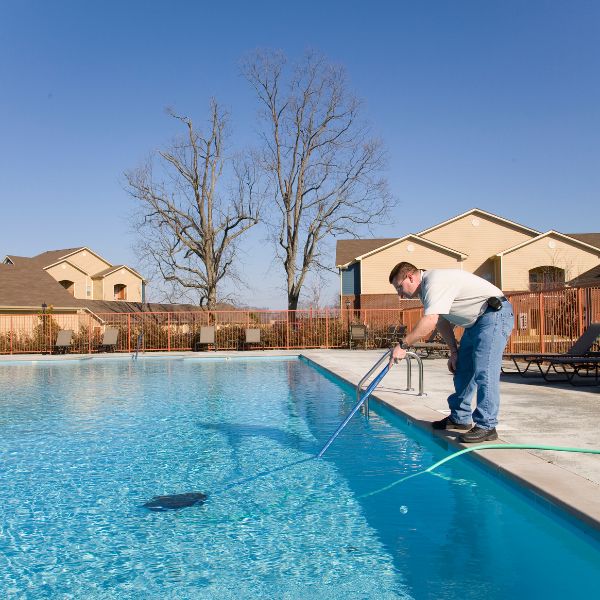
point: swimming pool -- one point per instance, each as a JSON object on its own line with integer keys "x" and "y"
{"x": 85, "y": 444}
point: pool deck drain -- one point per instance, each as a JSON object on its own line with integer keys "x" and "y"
{"x": 530, "y": 412}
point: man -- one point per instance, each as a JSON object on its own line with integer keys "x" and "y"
{"x": 454, "y": 297}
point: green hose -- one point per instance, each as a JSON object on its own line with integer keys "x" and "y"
{"x": 482, "y": 447}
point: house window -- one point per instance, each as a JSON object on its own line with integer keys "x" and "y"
{"x": 547, "y": 277}
{"x": 120, "y": 291}
{"x": 68, "y": 285}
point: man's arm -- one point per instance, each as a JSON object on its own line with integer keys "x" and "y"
{"x": 423, "y": 328}
{"x": 447, "y": 332}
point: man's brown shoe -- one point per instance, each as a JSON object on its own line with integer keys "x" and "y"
{"x": 448, "y": 423}
{"x": 477, "y": 434}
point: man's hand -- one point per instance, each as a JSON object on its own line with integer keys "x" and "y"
{"x": 397, "y": 354}
{"x": 452, "y": 362}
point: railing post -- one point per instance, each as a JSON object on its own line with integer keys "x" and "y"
{"x": 542, "y": 322}
{"x": 287, "y": 329}
{"x": 89, "y": 333}
{"x": 129, "y": 333}
{"x": 11, "y": 334}
{"x": 580, "y": 310}
{"x": 169, "y": 332}
{"x": 327, "y": 328}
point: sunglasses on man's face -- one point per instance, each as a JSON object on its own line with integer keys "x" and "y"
{"x": 398, "y": 285}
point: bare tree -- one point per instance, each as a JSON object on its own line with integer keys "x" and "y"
{"x": 322, "y": 163}
{"x": 189, "y": 226}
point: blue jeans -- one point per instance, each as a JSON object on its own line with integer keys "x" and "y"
{"x": 478, "y": 368}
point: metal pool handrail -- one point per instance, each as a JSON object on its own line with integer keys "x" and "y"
{"x": 368, "y": 392}
{"x": 137, "y": 346}
{"x": 365, "y": 399}
{"x": 409, "y": 356}
{"x": 359, "y": 385}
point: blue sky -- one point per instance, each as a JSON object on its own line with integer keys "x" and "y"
{"x": 493, "y": 104}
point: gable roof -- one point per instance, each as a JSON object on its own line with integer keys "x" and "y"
{"x": 25, "y": 283}
{"x": 547, "y": 233}
{"x": 483, "y": 213}
{"x": 67, "y": 262}
{"x": 420, "y": 240}
{"x": 593, "y": 239}
{"x": 113, "y": 269}
{"x": 347, "y": 250}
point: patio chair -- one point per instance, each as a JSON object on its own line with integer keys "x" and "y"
{"x": 391, "y": 336}
{"x": 434, "y": 344}
{"x": 582, "y": 348}
{"x": 109, "y": 340}
{"x": 64, "y": 340}
{"x": 205, "y": 338}
{"x": 252, "y": 337}
{"x": 358, "y": 334}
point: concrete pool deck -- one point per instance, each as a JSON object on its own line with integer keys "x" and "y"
{"x": 531, "y": 412}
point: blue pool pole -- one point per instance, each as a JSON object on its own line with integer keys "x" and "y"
{"x": 367, "y": 393}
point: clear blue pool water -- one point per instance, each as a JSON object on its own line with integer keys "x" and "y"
{"x": 84, "y": 444}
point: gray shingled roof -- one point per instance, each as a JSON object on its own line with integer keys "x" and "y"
{"x": 107, "y": 271}
{"x": 48, "y": 258}
{"x": 26, "y": 285}
{"x": 590, "y": 277}
{"x": 593, "y": 239}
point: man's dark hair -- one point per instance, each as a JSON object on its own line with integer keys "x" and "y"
{"x": 402, "y": 269}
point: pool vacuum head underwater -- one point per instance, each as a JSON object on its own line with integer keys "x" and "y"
{"x": 175, "y": 501}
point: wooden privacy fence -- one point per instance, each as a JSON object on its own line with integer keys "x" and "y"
{"x": 544, "y": 322}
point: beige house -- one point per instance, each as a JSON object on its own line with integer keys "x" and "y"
{"x": 510, "y": 255}
{"x": 67, "y": 279}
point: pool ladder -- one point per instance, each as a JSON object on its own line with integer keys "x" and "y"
{"x": 408, "y": 359}
{"x": 138, "y": 346}
{"x": 364, "y": 401}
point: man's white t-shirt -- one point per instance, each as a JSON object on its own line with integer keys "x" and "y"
{"x": 458, "y": 296}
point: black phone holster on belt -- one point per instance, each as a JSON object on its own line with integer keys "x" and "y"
{"x": 495, "y": 303}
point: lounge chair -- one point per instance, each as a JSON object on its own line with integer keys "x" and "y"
{"x": 358, "y": 334}
{"x": 581, "y": 349}
{"x": 64, "y": 340}
{"x": 205, "y": 338}
{"x": 109, "y": 340}
{"x": 252, "y": 337}
{"x": 572, "y": 367}
{"x": 434, "y": 344}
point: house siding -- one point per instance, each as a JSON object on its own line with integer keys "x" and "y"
{"x": 376, "y": 268}
{"x": 125, "y": 277}
{"x": 570, "y": 257}
{"x": 480, "y": 242}
{"x": 65, "y": 271}
{"x": 87, "y": 262}
{"x": 351, "y": 280}
{"x": 97, "y": 291}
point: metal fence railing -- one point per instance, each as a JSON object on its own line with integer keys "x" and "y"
{"x": 544, "y": 322}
